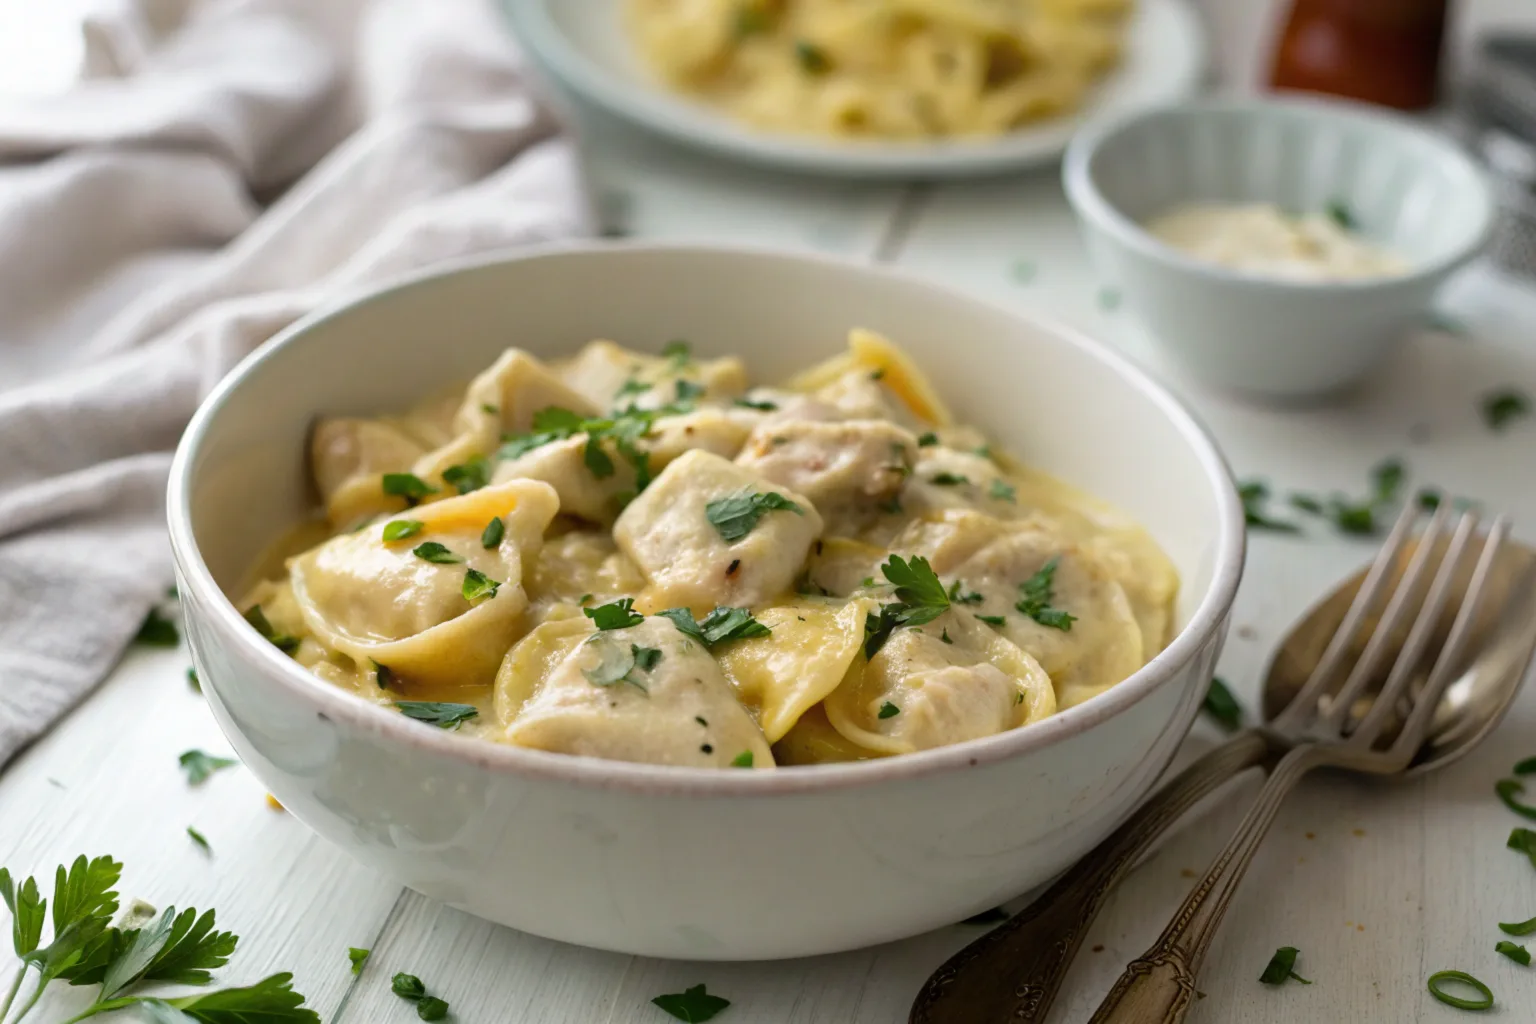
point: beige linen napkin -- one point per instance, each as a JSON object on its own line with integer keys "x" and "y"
{"x": 142, "y": 254}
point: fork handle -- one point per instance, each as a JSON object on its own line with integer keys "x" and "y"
{"x": 1158, "y": 987}
{"x": 1013, "y": 972}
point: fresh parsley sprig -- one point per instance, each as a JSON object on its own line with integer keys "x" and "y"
{"x": 1036, "y": 594}
{"x": 721, "y": 624}
{"x": 920, "y": 598}
{"x": 736, "y": 515}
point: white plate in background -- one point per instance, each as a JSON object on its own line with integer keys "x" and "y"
{"x": 583, "y": 45}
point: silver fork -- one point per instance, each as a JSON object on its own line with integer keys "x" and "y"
{"x": 1323, "y": 728}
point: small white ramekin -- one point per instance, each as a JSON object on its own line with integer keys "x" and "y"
{"x": 1410, "y": 189}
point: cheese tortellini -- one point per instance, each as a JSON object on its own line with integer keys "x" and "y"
{"x": 896, "y": 69}
{"x": 642, "y": 558}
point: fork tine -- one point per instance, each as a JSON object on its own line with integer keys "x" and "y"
{"x": 1400, "y": 605}
{"x": 1444, "y": 671}
{"x": 1428, "y": 618}
{"x": 1297, "y": 713}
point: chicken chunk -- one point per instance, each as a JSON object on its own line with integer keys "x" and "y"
{"x": 708, "y": 532}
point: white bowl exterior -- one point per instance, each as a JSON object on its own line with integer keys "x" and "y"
{"x": 1409, "y": 190}
{"x": 582, "y": 46}
{"x": 676, "y": 862}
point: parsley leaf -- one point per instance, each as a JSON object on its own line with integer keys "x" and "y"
{"x": 258, "y": 620}
{"x": 1280, "y": 968}
{"x": 400, "y": 529}
{"x": 157, "y": 631}
{"x": 181, "y": 948}
{"x": 493, "y": 533}
{"x": 1001, "y": 490}
{"x": 200, "y": 839}
{"x": 1036, "y": 598}
{"x": 678, "y": 353}
{"x": 742, "y": 760}
{"x": 1508, "y": 790}
{"x": 1501, "y": 408}
{"x": 1522, "y": 928}
{"x": 408, "y": 486}
{"x": 358, "y": 957}
{"x": 734, "y": 517}
{"x": 993, "y": 620}
{"x": 721, "y": 624}
{"x": 631, "y": 387}
{"x": 688, "y": 391}
{"x": 693, "y": 1005}
{"x": 270, "y": 1001}
{"x": 200, "y": 766}
{"x": 646, "y": 658}
{"x": 618, "y": 614}
{"x": 812, "y": 58}
{"x": 927, "y": 440}
{"x": 888, "y": 710}
{"x": 1524, "y": 841}
{"x": 1387, "y": 480}
{"x": 469, "y": 475}
{"x": 431, "y": 1008}
{"x": 478, "y": 585}
{"x": 432, "y": 551}
{"x": 443, "y": 714}
{"x": 407, "y": 986}
{"x": 1340, "y": 214}
{"x": 916, "y": 584}
{"x": 761, "y": 405}
{"x": 616, "y": 664}
{"x": 1255, "y": 494}
{"x": 1222, "y": 706}
{"x": 28, "y": 912}
{"x": 947, "y": 479}
{"x": 959, "y": 595}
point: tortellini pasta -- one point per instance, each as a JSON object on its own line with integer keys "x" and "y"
{"x": 897, "y": 69}
{"x": 640, "y": 557}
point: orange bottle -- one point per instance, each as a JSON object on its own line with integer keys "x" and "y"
{"x": 1379, "y": 51}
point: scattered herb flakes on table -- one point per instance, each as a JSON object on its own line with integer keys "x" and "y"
{"x": 1503, "y": 407}
{"x": 1282, "y": 967}
{"x": 1221, "y": 705}
{"x": 200, "y": 766}
{"x": 693, "y": 1005}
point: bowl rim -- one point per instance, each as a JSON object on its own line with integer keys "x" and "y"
{"x": 698, "y": 127}
{"x": 1205, "y": 622}
{"x": 1099, "y": 211}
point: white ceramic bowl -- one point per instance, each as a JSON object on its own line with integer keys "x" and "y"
{"x": 582, "y": 46}
{"x": 1410, "y": 189}
{"x": 689, "y": 862}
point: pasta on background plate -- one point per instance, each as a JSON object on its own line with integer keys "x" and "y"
{"x": 893, "y": 69}
{"x": 643, "y": 558}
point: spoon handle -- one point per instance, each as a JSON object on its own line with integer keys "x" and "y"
{"x": 1012, "y": 973}
{"x": 1158, "y": 987}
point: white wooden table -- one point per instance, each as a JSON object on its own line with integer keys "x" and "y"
{"x": 1379, "y": 887}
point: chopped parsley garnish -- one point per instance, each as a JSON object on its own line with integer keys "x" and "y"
{"x": 1340, "y": 214}
{"x": 258, "y": 620}
{"x": 1519, "y": 928}
{"x": 1501, "y": 408}
{"x": 200, "y": 766}
{"x": 157, "y": 631}
{"x": 87, "y": 948}
{"x": 408, "y": 486}
{"x": 1523, "y": 840}
{"x": 624, "y": 430}
{"x": 1429, "y": 499}
{"x": 1036, "y": 595}
{"x": 678, "y": 353}
{"x": 1255, "y": 494}
{"x": 443, "y": 714}
{"x": 1282, "y": 968}
{"x": 927, "y": 440}
{"x": 193, "y": 681}
{"x": 358, "y": 957}
{"x": 584, "y": 598}
{"x": 407, "y": 986}
{"x": 400, "y": 529}
{"x": 877, "y": 374}
{"x": 489, "y": 409}
{"x": 618, "y": 614}
{"x": 469, "y": 475}
{"x": 688, "y": 391}
{"x": 1309, "y": 504}
{"x": 920, "y": 598}
{"x": 693, "y": 1005}
{"x": 993, "y": 916}
{"x": 760, "y": 404}
{"x": 742, "y": 760}
{"x": 1509, "y": 790}
{"x": 616, "y": 664}
{"x": 721, "y": 624}
{"x": 431, "y": 1008}
{"x": 1001, "y": 490}
{"x": 632, "y": 387}
{"x": 993, "y": 620}
{"x": 1519, "y": 954}
{"x": 944, "y": 636}
{"x": 1436, "y": 988}
{"x": 478, "y": 585}
{"x": 494, "y": 531}
{"x": 812, "y": 58}
{"x": 1387, "y": 480}
{"x": 947, "y": 479}
{"x": 1222, "y": 706}
{"x": 432, "y": 551}
{"x": 959, "y": 595}
{"x": 200, "y": 839}
{"x": 888, "y": 710}
{"x": 383, "y": 675}
{"x": 736, "y": 516}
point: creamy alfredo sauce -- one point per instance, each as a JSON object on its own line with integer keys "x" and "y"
{"x": 1262, "y": 239}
